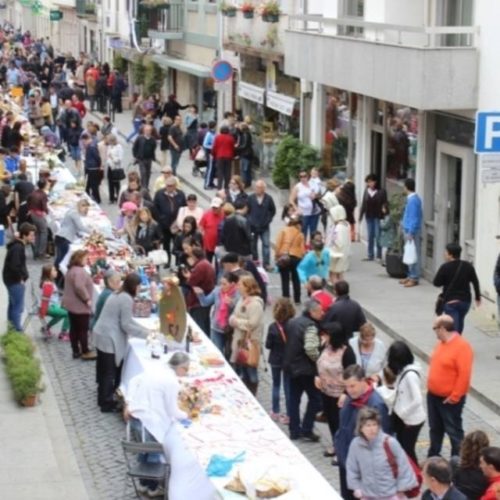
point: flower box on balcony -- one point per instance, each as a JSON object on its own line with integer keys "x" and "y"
{"x": 228, "y": 10}
{"x": 248, "y": 14}
{"x": 271, "y": 18}
{"x": 248, "y": 10}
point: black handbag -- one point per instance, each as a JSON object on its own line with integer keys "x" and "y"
{"x": 117, "y": 174}
{"x": 441, "y": 298}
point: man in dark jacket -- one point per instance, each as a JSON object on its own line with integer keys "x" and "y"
{"x": 144, "y": 151}
{"x": 236, "y": 235}
{"x": 437, "y": 478}
{"x": 261, "y": 212}
{"x": 93, "y": 168}
{"x": 360, "y": 393}
{"x": 299, "y": 362}
{"x": 345, "y": 310}
{"x": 167, "y": 203}
{"x": 117, "y": 90}
{"x": 15, "y": 273}
{"x": 245, "y": 152}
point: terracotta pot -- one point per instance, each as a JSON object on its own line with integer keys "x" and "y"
{"x": 29, "y": 400}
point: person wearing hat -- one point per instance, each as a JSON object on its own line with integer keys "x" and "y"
{"x": 166, "y": 173}
{"x": 126, "y": 218}
{"x": 209, "y": 225}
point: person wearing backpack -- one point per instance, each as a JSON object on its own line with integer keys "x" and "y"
{"x": 408, "y": 413}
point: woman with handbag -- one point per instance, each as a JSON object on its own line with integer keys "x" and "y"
{"x": 289, "y": 250}
{"x": 377, "y": 467}
{"x": 248, "y": 323}
{"x": 408, "y": 412}
{"x": 456, "y": 276}
{"x": 115, "y": 171}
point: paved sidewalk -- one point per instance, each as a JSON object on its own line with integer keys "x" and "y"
{"x": 402, "y": 313}
{"x": 37, "y": 460}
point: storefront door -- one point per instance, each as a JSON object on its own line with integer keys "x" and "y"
{"x": 454, "y": 199}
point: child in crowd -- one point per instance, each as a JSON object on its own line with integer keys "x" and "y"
{"x": 283, "y": 311}
{"x": 50, "y": 304}
{"x": 387, "y": 231}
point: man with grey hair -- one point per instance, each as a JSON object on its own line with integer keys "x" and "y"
{"x": 315, "y": 287}
{"x": 302, "y": 350}
{"x": 261, "y": 212}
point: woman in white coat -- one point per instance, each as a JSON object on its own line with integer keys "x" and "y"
{"x": 114, "y": 163}
{"x": 370, "y": 352}
{"x": 152, "y": 411}
{"x": 339, "y": 243}
{"x": 408, "y": 413}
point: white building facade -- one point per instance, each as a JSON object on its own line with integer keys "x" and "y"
{"x": 393, "y": 87}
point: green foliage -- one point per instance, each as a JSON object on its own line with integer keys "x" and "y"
{"x": 292, "y": 156}
{"x": 138, "y": 72}
{"x": 397, "y": 204}
{"x": 153, "y": 79}
{"x": 120, "y": 63}
{"x": 23, "y": 369}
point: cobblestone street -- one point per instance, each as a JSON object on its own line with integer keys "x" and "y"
{"x": 96, "y": 436}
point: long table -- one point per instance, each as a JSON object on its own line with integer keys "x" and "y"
{"x": 242, "y": 425}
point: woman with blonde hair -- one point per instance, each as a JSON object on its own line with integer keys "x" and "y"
{"x": 144, "y": 231}
{"x": 468, "y": 478}
{"x": 247, "y": 320}
{"x": 369, "y": 351}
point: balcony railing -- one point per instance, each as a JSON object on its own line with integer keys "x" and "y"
{"x": 85, "y": 8}
{"x": 160, "y": 20}
{"x": 254, "y": 35}
{"x": 410, "y": 36}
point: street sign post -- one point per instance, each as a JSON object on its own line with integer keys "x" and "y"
{"x": 222, "y": 71}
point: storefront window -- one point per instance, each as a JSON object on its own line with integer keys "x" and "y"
{"x": 337, "y": 123}
{"x": 402, "y": 136}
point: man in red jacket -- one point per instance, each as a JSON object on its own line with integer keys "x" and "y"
{"x": 489, "y": 461}
{"x": 223, "y": 154}
{"x": 209, "y": 226}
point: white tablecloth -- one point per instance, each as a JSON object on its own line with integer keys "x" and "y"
{"x": 242, "y": 426}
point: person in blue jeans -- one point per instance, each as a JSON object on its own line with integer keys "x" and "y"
{"x": 412, "y": 227}
{"x": 15, "y": 273}
{"x": 283, "y": 311}
{"x": 456, "y": 276}
{"x": 374, "y": 198}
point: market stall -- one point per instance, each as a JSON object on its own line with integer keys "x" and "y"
{"x": 229, "y": 422}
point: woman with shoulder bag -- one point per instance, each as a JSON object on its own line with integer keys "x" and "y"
{"x": 335, "y": 357}
{"x": 289, "y": 250}
{"x": 377, "y": 467}
{"x": 408, "y": 413}
{"x": 248, "y": 323}
{"x": 114, "y": 159}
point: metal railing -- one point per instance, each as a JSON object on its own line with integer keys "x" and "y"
{"x": 165, "y": 18}
{"x": 393, "y": 34}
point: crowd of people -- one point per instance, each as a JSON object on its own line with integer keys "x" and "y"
{"x": 370, "y": 395}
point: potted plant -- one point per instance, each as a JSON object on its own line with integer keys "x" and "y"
{"x": 248, "y": 10}
{"x": 23, "y": 368}
{"x": 228, "y": 10}
{"x": 270, "y": 11}
{"x": 394, "y": 257}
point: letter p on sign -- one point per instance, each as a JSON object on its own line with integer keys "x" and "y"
{"x": 487, "y": 132}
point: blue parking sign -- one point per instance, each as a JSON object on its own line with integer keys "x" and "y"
{"x": 487, "y": 138}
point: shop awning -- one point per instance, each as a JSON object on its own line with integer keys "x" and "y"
{"x": 280, "y": 102}
{"x": 251, "y": 92}
{"x": 191, "y": 68}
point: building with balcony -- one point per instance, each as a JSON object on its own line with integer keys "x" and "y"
{"x": 262, "y": 90}
{"x": 392, "y": 87}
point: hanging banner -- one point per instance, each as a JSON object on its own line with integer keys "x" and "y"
{"x": 280, "y": 102}
{"x": 251, "y": 92}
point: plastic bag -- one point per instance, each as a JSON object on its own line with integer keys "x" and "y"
{"x": 410, "y": 253}
{"x": 220, "y": 466}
